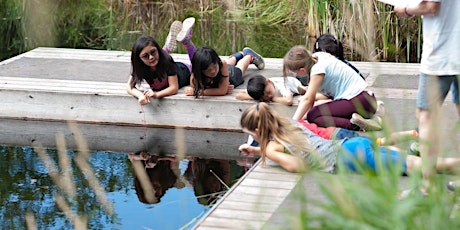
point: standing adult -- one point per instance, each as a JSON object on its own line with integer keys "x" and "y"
{"x": 439, "y": 66}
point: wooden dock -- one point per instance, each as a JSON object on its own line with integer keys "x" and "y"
{"x": 48, "y": 87}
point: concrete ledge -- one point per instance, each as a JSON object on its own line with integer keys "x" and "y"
{"x": 200, "y": 143}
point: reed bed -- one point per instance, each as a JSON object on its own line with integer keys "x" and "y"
{"x": 369, "y": 29}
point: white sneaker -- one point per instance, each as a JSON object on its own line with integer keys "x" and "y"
{"x": 187, "y": 29}
{"x": 171, "y": 43}
{"x": 373, "y": 124}
{"x": 380, "y": 109}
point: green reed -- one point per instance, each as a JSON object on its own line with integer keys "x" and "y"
{"x": 368, "y": 29}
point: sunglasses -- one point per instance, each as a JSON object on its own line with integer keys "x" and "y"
{"x": 147, "y": 55}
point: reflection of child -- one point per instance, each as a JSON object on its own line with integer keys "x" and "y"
{"x": 274, "y": 89}
{"x": 209, "y": 177}
{"x": 212, "y": 76}
{"x": 153, "y": 64}
{"x": 296, "y": 148}
{"x": 163, "y": 174}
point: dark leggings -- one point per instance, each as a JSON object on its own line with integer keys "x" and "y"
{"x": 338, "y": 113}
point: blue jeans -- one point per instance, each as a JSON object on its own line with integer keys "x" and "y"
{"x": 425, "y": 94}
{"x": 359, "y": 153}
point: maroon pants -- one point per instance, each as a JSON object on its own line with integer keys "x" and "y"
{"x": 338, "y": 113}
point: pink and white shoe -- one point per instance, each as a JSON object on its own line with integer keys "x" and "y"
{"x": 187, "y": 28}
{"x": 171, "y": 43}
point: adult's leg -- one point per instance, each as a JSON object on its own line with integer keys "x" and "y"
{"x": 431, "y": 93}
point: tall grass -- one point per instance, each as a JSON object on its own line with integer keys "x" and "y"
{"x": 369, "y": 30}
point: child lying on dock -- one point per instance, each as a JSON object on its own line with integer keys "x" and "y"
{"x": 213, "y": 76}
{"x": 296, "y": 148}
{"x": 275, "y": 89}
{"x": 153, "y": 65}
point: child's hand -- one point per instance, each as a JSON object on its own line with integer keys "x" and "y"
{"x": 150, "y": 93}
{"x": 143, "y": 100}
{"x": 230, "y": 89}
{"x": 241, "y": 95}
{"x": 248, "y": 150}
{"x": 188, "y": 91}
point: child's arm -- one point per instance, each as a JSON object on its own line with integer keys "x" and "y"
{"x": 249, "y": 151}
{"x": 320, "y": 96}
{"x": 243, "y": 96}
{"x": 143, "y": 99}
{"x": 287, "y": 99}
{"x": 289, "y": 162}
{"x": 190, "y": 90}
{"x": 306, "y": 101}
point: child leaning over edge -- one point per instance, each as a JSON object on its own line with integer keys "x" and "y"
{"x": 296, "y": 148}
{"x": 153, "y": 65}
{"x": 212, "y": 76}
{"x": 334, "y": 79}
{"x": 329, "y": 44}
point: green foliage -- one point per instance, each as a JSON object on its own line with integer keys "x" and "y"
{"x": 11, "y": 22}
{"x": 369, "y": 30}
{"x": 370, "y": 201}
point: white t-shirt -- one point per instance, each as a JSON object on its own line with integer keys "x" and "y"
{"x": 340, "y": 80}
{"x": 441, "y": 40}
{"x": 286, "y": 87}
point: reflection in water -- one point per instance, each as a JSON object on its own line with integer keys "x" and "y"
{"x": 182, "y": 188}
{"x": 163, "y": 173}
{"x": 210, "y": 178}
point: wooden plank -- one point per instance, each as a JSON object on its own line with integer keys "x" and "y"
{"x": 261, "y": 183}
{"x": 241, "y": 215}
{"x": 273, "y": 177}
{"x": 247, "y": 206}
{"x": 220, "y": 223}
{"x": 266, "y": 192}
{"x": 253, "y": 198}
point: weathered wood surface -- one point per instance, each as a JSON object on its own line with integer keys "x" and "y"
{"x": 87, "y": 86}
{"x": 252, "y": 201}
{"x": 79, "y": 85}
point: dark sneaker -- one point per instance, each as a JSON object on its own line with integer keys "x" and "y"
{"x": 187, "y": 30}
{"x": 171, "y": 43}
{"x": 373, "y": 124}
{"x": 451, "y": 186}
{"x": 257, "y": 60}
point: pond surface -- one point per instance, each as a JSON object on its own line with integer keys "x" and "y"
{"x": 184, "y": 189}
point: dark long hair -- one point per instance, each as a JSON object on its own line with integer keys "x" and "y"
{"x": 202, "y": 59}
{"x": 140, "y": 71}
{"x": 328, "y": 43}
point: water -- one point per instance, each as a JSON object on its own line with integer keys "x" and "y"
{"x": 28, "y": 188}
